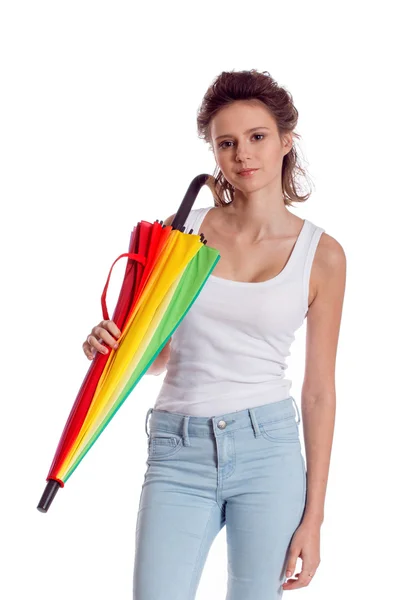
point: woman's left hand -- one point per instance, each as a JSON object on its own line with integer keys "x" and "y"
{"x": 306, "y": 545}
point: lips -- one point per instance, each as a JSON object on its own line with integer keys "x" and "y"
{"x": 247, "y": 170}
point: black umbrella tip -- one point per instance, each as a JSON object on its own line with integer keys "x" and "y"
{"x": 50, "y": 491}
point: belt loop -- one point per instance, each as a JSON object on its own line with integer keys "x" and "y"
{"x": 297, "y": 410}
{"x": 254, "y": 422}
{"x": 147, "y": 417}
{"x": 186, "y": 440}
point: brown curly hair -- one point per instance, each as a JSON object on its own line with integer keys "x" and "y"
{"x": 252, "y": 85}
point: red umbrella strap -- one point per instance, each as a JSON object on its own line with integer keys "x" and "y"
{"x": 139, "y": 258}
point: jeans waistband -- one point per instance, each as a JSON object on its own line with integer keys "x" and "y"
{"x": 188, "y": 425}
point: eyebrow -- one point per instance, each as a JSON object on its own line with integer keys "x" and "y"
{"x": 248, "y": 131}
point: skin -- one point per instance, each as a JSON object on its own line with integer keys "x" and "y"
{"x": 259, "y": 220}
{"x": 259, "y": 226}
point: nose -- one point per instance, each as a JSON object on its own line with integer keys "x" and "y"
{"x": 242, "y": 153}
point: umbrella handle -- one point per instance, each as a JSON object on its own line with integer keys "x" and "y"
{"x": 191, "y": 194}
{"x": 139, "y": 258}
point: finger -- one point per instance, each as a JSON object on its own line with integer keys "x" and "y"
{"x": 114, "y": 329}
{"x": 303, "y": 579}
{"x": 96, "y": 344}
{"x": 103, "y": 334}
{"x": 109, "y": 326}
{"x": 88, "y": 350}
{"x": 292, "y": 583}
{"x": 307, "y": 572}
{"x": 299, "y": 580}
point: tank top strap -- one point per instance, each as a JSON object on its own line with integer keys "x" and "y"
{"x": 305, "y": 257}
{"x": 306, "y": 242}
{"x": 195, "y": 218}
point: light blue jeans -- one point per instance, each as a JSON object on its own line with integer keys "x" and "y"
{"x": 243, "y": 470}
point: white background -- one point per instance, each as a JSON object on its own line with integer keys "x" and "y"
{"x": 98, "y": 131}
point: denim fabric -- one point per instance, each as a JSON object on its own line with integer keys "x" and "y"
{"x": 243, "y": 470}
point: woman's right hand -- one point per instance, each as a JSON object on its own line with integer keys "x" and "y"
{"x": 103, "y": 332}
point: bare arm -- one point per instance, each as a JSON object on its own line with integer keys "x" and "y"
{"x": 318, "y": 398}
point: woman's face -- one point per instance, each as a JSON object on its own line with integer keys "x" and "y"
{"x": 235, "y": 147}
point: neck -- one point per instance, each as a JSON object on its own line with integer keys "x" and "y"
{"x": 259, "y": 216}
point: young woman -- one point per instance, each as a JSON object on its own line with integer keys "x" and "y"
{"x": 223, "y": 443}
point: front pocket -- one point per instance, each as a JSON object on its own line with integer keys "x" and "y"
{"x": 163, "y": 444}
{"x": 286, "y": 430}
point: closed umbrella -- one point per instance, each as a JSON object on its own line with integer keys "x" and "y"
{"x": 165, "y": 272}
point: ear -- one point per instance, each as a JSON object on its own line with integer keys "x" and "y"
{"x": 288, "y": 142}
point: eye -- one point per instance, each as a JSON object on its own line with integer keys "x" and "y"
{"x": 221, "y": 145}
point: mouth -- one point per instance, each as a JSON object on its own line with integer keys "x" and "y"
{"x": 247, "y": 171}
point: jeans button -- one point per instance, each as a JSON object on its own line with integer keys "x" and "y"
{"x": 221, "y": 425}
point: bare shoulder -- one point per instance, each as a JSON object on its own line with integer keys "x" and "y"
{"x": 168, "y": 220}
{"x": 330, "y": 259}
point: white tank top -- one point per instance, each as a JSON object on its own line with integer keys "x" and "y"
{"x": 229, "y": 351}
